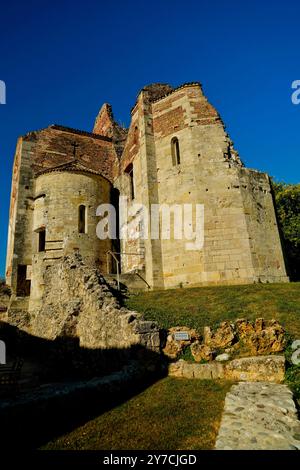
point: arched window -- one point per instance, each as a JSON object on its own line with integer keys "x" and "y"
{"x": 82, "y": 219}
{"x": 129, "y": 172}
{"x": 175, "y": 151}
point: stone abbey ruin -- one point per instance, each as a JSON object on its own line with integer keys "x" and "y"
{"x": 176, "y": 151}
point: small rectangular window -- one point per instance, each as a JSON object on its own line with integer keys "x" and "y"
{"x": 82, "y": 219}
{"x": 23, "y": 284}
{"x": 41, "y": 240}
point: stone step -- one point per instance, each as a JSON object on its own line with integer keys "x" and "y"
{"x": 251, "y": 369}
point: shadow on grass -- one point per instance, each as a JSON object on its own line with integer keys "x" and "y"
{"x": 46, "y": 413}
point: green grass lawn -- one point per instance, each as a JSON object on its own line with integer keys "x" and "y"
{"x": 178, "y": 414}
{"x": 172, "y": 414}
{"x": 197, "y": 307}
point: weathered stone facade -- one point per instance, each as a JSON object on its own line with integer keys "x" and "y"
{"x": 78, "y": 303}
{"x": 57, "y": 170}
{"x": 241, "y": 241}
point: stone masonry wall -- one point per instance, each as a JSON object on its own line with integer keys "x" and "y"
{"x": 45, "y": 150}
{"x": 78, "y": 303}
{"x": 19, "y": 249}
{"x": 238, "y": 208}
{"x": 56, "y": 145}
{"x": 265, "y": 244}
{"x": 241, "y": 240}
{"x": 58, "y": 196}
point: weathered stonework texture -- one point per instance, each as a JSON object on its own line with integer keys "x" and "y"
{"x": 259, "y": 416}
{"x": 58, "y": 169}
{"x": 241, "y": 338}
{"x": 78, "y": 303}
{"x": 249, "y": 369}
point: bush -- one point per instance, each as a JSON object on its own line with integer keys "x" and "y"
{"x": 4, "y": 289}
{"x": 287, "y": 200}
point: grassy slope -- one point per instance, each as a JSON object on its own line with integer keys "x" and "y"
{"x": 202, "y": 306}
{"x": 182, "y": 413}
{"x": 171, "y": 414}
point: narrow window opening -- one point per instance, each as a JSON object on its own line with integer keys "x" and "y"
{"x": 129, "y": 172}
{"x": 82, "y": 219}
{"x": 175, "y": 151}
{"x": 23, "y": 283}
{"x": 41, "y": 240}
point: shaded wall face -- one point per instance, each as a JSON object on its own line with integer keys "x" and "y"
{"x": 133, "y": 249}
{"x": 13, "y": 217}
{"x": 264, "y": 239}
{"x": 59, "y": 196}
{"x": 19, "y": 249}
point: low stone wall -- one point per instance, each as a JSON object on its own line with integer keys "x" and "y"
{"x": 81, "y": 329}
{"x": 78, "y": 303}
{"x": 251, "y": 369}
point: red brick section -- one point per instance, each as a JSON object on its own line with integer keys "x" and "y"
{"x": 101, "y": 150}
{"x": 202, "y": 111}
{"x": 170, "y": 122}
{"x": 169, "y": 118}
{"x": 56, "y": 145}
{"x": 164, "y": 105}
{"x": 105, "y": 125}
{"x": 104, "y": 122}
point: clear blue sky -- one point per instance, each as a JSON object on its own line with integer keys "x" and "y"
{"x": 62, "y": 60}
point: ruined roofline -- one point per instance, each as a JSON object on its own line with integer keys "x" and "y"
{"x": 106, "y": 107}
{"x": 183, "y": 85}
{"x": 80, "y": 132}
{"x": 71, "y": 167}
{"x": 71, "y": 131}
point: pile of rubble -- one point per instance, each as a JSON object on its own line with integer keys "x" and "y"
{"x": 241, "y": 338}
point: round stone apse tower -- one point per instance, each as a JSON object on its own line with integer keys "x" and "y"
{"x": 65, "y": 221}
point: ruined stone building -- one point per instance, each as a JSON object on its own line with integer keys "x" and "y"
{"x": 176, "y": 151}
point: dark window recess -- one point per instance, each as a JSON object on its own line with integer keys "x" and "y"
{"x": 23, "y": 284}
{"x": 175, "y": 151}
{"x": 82, "y": 219}
{"x": 129, "y": 172}
{"x": 42, "y": 240}
{"x": 115, "y": 196}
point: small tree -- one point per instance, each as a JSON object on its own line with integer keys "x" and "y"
{"x": 4, "y": 289}
{"x": 287, "y": 200}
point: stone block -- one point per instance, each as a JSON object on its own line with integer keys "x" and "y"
{"x": 256, "y": 368}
